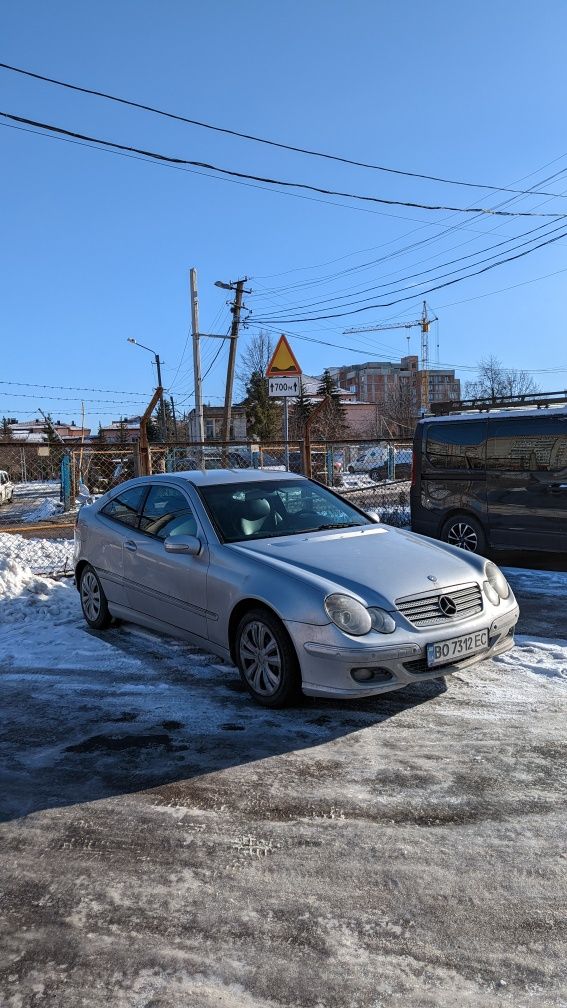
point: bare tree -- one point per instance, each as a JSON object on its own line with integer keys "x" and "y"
{"x": 496, "y": 380}
{"x": 255, "y": 358}
{"x": 398, "y": 410}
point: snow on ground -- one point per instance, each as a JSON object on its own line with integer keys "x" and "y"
{"x": 167, "y": 841}
{"x": 42, "y": 556}
{"x": 45, "y": 509}
{"x": 539, "y": 582}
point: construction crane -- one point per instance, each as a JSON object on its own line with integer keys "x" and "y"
{"x": 424, "y": 322}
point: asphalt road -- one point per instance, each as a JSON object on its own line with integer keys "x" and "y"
{"x": 167, "y": 844}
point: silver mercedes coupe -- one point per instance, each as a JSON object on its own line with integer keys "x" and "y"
{"x": 289, "y": 581}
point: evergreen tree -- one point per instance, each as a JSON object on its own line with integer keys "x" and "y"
{"x": 6, "y": 430}
{"x": 331, "y": 422}
{"x": 169, "y": 424}
{"x": 300, "y": 413}
{"x": 122, "y": 432}
{"x": 100, "y": 437}
{"x": 263, "y": 414}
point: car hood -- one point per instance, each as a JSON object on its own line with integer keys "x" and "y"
{"x": 378, "y": 564}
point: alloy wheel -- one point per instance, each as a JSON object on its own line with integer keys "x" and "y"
{"x": 90, "y": 596}
{"x": 463, "y": 535}
{"x": 260, "y": 658}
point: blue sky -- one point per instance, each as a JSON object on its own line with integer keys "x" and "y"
{"x": 97, "y": 247}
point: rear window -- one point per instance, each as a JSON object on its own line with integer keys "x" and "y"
{"x": 528, "y": 444}
{"x": 456, "y": 445}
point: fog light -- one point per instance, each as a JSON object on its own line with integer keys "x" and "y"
{"x": 491, "y": 593}
{"x": 371, "y": 674}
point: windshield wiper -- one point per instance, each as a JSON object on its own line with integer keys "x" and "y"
{"x": 336, "y": 525}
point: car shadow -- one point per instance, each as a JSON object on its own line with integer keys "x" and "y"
{"x": 170, "y": 716}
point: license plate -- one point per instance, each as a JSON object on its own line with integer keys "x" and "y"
{"x": 449, "y": 651}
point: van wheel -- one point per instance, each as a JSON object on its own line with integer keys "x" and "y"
{"x": 465, "y": 532}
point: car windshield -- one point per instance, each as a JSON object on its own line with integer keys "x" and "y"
{"x": 260, "y": 510}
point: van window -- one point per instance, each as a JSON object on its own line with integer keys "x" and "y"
{"x": 454, "y": 445}
{"x": 528, "y": 444}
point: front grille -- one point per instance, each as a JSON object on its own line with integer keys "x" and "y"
{"x": 424, "y": 611}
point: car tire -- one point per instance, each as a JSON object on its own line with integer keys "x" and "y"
{"x": 466, "y": 532}
{"x": 351, "y": 469}
{"x": 93, "y": 600}
{"x": 275, "y": 681}
{"x": 376, "y": 475}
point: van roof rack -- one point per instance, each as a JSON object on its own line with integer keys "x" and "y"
{"x": 532, "y": 400}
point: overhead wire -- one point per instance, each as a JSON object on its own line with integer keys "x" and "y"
{"x": 413, "y": 276}
{"x": 256, "y": 139}
{"x": 267, "y": 180}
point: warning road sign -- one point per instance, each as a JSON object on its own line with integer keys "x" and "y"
{"x": 283, "y": 361}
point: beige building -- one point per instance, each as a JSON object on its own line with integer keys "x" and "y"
{"x": 213, "y": 421}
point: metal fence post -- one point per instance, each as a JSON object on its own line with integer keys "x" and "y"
{"x": 391, "y": 462}
{"x": 65, "y": 476}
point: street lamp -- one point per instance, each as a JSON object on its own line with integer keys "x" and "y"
{"x": 157, "y": 362}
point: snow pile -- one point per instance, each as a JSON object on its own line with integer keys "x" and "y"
{"x": 42, "y": 556}
{"x": 26, "y": 597}
{"x": 46, "y": 509}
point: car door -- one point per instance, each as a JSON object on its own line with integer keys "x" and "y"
{"x": 527, "y": 482}
{"x": 169, "y": 587}
{"x": 102, "y": 541}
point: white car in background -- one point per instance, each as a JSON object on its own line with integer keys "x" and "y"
{"x": 374, "y": 461}
{"x": 6, "y": 487}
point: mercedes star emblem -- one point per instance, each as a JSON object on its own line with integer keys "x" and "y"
{"x": 447, "y": 605}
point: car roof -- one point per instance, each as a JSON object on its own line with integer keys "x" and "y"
{"x": 215, "y": 477}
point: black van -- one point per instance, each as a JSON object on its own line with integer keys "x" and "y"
{"x": 495, "y": 479}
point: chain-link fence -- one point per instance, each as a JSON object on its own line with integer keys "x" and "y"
{"x": 183, "y": 456}
{"x": 373, "y": 474}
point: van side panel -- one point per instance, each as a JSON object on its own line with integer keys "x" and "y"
{"x": 449, "y": 473}
{"x": 527, "y": 482}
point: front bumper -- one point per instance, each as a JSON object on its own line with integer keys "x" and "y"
{"x": 327, "y": 656}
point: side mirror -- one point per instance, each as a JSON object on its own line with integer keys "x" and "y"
{"x": 187, "y": 544}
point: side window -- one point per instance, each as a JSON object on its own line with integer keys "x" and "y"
{"x": 125, "y": 508}
{"x": 528, "y": 444}
{"x": 167, "y": 513}
{"x": 455, "y": 445}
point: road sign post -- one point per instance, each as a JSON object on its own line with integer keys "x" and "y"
{"x": 284, "y": 382}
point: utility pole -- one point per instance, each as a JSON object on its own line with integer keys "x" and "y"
{"x": 238, "y": 287}
{"x": 162, "y": 404}
{"x": 174, "y": 416}
{"x": 199, "y": 432}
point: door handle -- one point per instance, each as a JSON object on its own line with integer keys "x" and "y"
{"x": 129, "y": 545}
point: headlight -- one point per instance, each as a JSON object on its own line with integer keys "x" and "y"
{"x": 381, "y": 621}
{"x": 496, "y": 579}
{"x": 348, "y": 614}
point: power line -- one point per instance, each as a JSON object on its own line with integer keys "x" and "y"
{"x": 29, "y": 395}
{"x": 216, "y": 178}
{"x": 257, "y": 139}
{"x": 388, "y": 304}
{"x": 412, "y": 276}
{"x": 170, "y": 159}
{"x": 70, "y": 388}
{"x": 442, "y": 365}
